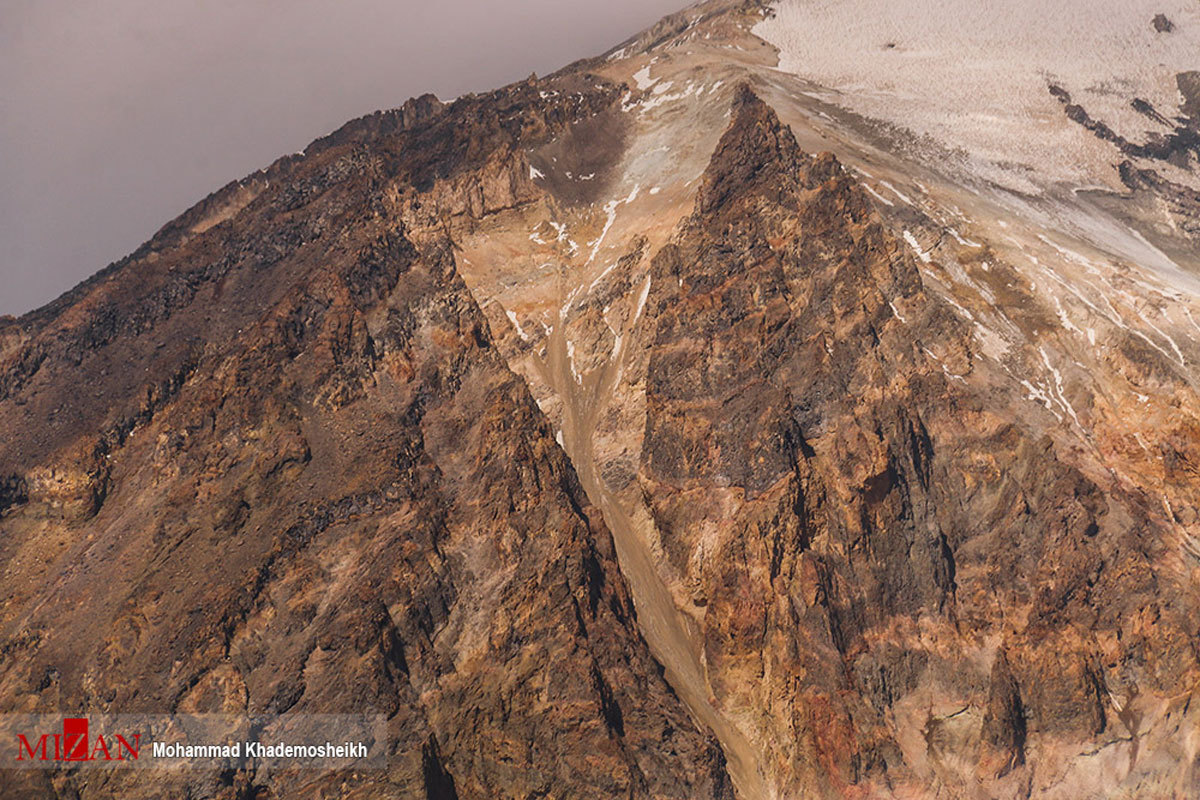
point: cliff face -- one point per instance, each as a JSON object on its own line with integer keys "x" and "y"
{"x": 612, "y": 444}
{"x": 277, "y": 466}
{"x": 894, "y": 585}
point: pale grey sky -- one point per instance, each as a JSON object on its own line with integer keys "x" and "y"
{"x": 117, "y": 115}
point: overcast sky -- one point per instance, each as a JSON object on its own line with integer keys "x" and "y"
{"x": 117, "y": 115}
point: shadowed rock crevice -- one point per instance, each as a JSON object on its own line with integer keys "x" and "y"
{"x": 439, "y": 784}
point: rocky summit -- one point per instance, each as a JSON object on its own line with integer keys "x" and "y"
{"x": 680, "y": 425}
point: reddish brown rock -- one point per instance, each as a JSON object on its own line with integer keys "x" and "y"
{"x": 864, "y": 538}
{"x": 903, "y": 482}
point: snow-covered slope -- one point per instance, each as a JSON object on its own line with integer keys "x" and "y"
{"x": 973, "y": 78}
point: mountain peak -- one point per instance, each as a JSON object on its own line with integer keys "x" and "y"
{"x": 755, "y": 150}
{"x": 899, "y": 471}
{"x": 758, "y": 162}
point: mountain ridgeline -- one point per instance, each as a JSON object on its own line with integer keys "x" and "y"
{"x": 655, "y": 429}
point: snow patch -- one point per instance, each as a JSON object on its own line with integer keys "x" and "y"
{"x": 571, "y": 362}
{"x": 610, "y": 214}
{"x": 916, "y": 246}
{"x": 878, "y": 196}
{"x": 641, "y": 305}
{"x": 1058, "y": 387}
{"x": 1063, "y": 318}
{"x": 903, "y": 197}
{"x": 961, "y": 240}
{"x": 517, "y": 324}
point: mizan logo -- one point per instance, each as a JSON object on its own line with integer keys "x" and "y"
{"x": 74, "y": 744}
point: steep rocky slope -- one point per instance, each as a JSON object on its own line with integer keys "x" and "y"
{"x": 896, "y": 588}
{"x": 899, "y": 464}
{"x": 272, "y": 463}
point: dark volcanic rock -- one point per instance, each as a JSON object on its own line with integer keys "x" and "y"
{"x": 1179, "y": 145}
{"x": 1189, "y": 87}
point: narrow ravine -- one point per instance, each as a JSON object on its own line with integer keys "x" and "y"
{"x": 661, "y": 623}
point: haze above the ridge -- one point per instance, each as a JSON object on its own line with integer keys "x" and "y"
{"x": 973, "y": 77}
{"x": 119, "y": 115}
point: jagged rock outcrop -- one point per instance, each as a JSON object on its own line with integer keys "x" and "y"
{"x": 286, "y": 470}
{"x": 895, "y": 585}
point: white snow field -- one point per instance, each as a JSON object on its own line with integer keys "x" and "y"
{"x": 973, "y": 77}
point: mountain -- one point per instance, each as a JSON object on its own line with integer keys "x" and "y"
{"x": 796, "y": 401}
{"x": 321, "y": 490}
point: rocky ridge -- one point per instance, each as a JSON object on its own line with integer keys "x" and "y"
{"x": 900, "y": 471}
{"x": 896, "y": 588}
{"x": 321, "y": 490}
